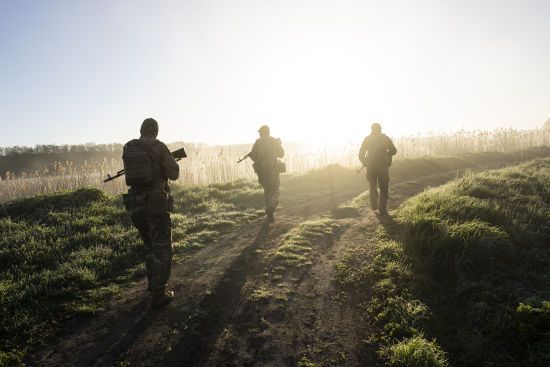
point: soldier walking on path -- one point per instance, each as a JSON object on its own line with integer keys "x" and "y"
{"x": 265, "y": 154}
{"x": 148, "y": 165}
{"x": 376, "y": 154}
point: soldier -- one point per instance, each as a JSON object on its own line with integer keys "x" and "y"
{"x": 265, "y": 153}
{"x": 148, "y": 165}
{"x": 376, "y": 154}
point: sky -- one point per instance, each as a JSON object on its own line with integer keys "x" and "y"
{"x": 316, "y": 71}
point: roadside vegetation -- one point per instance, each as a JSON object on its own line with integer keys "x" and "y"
{"x": 459, "y": 274}
{"x": 66, "y": 253}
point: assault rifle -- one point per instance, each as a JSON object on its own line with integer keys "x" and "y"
{"x": 243, "y": 158}
{"x": 177, "y": 154}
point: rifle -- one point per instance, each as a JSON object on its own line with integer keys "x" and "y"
{"x": 243, "y": 158}
{"x": 177, "y": 154}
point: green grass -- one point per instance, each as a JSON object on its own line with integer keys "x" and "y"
{"x": 467, "y": 263}
{"x": 416, "y": 352}
{"x": 67, "y": 253}
{"x": 294, "y": 250}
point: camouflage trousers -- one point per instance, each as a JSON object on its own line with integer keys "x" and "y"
{"x": 270, "y": 182}
{"x": 156, "y": 232}
{"x": 378, "y": 177}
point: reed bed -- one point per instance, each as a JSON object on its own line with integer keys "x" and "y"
{"x": 203, "y": 169}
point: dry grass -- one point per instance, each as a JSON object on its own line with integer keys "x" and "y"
{"x": 203, "y": 169}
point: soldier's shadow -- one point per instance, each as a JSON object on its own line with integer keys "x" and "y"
{"x": 129, "y": 334}
{"x": 216, "y": 309}
{"x": 206, "y": 325}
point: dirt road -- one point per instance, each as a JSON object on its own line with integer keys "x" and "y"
{"x": 212, "y": 321}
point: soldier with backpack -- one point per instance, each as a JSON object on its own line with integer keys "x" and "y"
{"x": 148, "y": 165}
{"x": 265, "y": 154}
{"x": 376, "y": 154}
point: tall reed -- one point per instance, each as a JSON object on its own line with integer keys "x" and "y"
{"x": 221, "y": 166}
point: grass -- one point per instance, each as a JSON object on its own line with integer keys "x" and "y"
{"x": 67, "y": 253}
{"x": 416, "y": 352}
{"x": 294, "y": 250}
{"x": 466, "y": 263}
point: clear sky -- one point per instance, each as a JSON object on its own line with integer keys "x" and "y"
{"x": 213, "y": 71}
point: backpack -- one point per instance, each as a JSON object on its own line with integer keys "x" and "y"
{"x": 139, "y": 163}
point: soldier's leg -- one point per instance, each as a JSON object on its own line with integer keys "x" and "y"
{"x": 383, "y": 182}
{"x": 264, "y": 183}
{"x": 140, "y": 222}
{"x": 272, "y": 194}
{"x": 161, "y": 239}
{"x": 275, "y": 183}
{"x": 373, "y": 190}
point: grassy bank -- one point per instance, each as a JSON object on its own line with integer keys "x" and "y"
{"x": 459, "y": 276}
{"x": 66, "y": 253}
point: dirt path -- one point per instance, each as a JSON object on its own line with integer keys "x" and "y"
{"x": 207, "y": 322}
{"x": 311, "y": 325}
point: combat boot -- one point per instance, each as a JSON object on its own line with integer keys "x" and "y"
{"x": 162, "y": 298}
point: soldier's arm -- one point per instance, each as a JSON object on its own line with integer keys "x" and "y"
{"x": 169, "y": 165}
{"x": 363, "y": 151}
{"x": 280, "y": 152}
{"x": 392, "y": 150}
{"x": 254, "y": 152}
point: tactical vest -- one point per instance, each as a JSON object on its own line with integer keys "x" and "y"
{"x": 139, "y": 163}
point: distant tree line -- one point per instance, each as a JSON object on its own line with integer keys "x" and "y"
{"x": 59, "y": 149}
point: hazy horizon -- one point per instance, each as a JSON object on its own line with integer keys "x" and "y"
{"x": 213, "y": 71}
{"x": 305, "y": 145}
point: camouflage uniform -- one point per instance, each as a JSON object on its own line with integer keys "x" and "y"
{"x": 155, "y": 229}
{"x": 265, "y": 153}
{"x": 375, "y": 153}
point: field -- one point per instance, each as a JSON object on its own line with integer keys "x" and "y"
{"x": 453, "y": 277}
{"x": 26, "y": 172}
